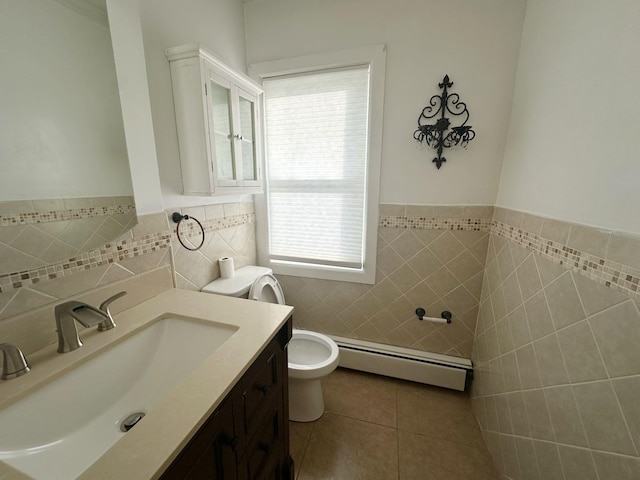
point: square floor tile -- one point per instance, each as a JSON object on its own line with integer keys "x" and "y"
{"x": 345, "y": 448}
{"x": 367, "y": 397}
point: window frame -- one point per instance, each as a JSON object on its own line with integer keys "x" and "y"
{"x": 375, "y": 57}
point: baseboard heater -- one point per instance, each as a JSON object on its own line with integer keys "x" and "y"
{"x": 430, "y": 368}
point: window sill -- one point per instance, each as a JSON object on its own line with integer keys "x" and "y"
{"x": 323, "y": 272}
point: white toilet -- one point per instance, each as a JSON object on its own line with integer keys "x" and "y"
{"x": 311, "y": 355}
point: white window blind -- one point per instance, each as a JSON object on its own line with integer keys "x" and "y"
{"x": 316, "y": 145}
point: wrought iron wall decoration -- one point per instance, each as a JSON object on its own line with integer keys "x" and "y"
{"x": 437, "y": 135}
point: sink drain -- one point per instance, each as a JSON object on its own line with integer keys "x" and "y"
{"x": 131, "y": 421}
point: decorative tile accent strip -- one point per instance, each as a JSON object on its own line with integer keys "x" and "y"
{"x": 112, "y": 252}
{"x": 60, "y": 215}
{"x": 191, "y": 229}
{"x": 436, "y": 223}
{"x": 104, "y": 255}
{"x": 603, "y": 271}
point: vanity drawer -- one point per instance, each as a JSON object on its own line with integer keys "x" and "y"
{"x": 263, "y": 455}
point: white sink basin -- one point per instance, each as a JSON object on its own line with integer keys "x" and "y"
{"x": 58, "y": 431}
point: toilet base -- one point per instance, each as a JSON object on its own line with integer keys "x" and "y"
{"x": 306, "y": 402}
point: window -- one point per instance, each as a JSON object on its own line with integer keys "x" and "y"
{"x": 322, "y": 122}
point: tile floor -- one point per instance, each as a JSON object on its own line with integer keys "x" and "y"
{"x": 379, "y": 428}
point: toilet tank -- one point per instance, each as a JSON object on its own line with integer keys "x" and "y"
{"x": 239, "y": 284}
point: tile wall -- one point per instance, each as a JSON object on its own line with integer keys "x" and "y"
{"x": 36, "y": 233}
{"x": 145, "y": 261}
{"x": 556, "y": 352}
{"x": 428, "y": 256}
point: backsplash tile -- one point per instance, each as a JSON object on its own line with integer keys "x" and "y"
{"x": 144, "y": 261}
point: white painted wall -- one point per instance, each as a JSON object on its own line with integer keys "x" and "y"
{"x": 61, "y": 130}
{"x": 218, "y": 26}
{"x": 476, "y": 43}
{"x": 572, "y": 150}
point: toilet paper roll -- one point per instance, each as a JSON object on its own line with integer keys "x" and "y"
{"x": 226, "y": 267}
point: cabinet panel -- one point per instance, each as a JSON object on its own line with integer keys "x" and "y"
{"x": 223, "y": 154}
{"x": 210, "y": 454}
{"x": 247, "y": 437}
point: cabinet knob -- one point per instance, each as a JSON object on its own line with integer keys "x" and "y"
{"x": 238, "y": 136}
{"x": 264, "y": 388}
{"x": 230, "y": 441}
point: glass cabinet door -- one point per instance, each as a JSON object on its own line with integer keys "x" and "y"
{"x": 221, "y": 131}
{"x": 247, "y": 137}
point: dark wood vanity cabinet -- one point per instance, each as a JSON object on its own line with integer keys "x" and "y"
{"x": 247, "y": 437}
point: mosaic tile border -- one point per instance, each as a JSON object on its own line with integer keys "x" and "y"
{"x": 62, "y": 215}
{"x": 603, "y": 271}
{"x": 113, "y": 252}
{"x": 104, "y": 255}
{"x": 436, "y": 223}
{"x": 191, "y": 229}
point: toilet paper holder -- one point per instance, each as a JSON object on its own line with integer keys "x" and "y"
{"x": 445, "y": 316}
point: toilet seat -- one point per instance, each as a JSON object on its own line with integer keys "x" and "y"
{"x": 266, "y": 288}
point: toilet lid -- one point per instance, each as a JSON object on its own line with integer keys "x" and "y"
{"x": 267, "y": 289}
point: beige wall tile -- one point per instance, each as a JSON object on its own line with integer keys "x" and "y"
{"x": 565, "y": 416}
{"x": 527, "y": 459}
{"x": 548, "y": 460}
{"x": 512, "y": 295}
{"x": 153, "y": 223}
{"x": 528, "y": 278}
{"x": 564, "y": 302}
{"x": 528, "y": 367}
{"x": 519, "y": 327}
{"x": 550, "y": 361}
{"x": 625, "y": 249}
{"x": 407, "y": 244}
{"x": 577, "y": 463}
{"x": 391, "y": 210}
{"x": 616, "y": 466}
{"x": 538, "y": 414}
{"x": 416, "y": 211}
{"x": 596, "y": 297}
{"x": 548, "y": 270}
{"x": 628, "y": 392}
{"x": 538, "y": 316}
{"x": 518, "y": 412}
{"x": 511, "y": 466}
{"x": 478, "y": 211}
{"x": 510, "y": 372}
{"x": 589, "y": 239}
{"x": 602, "y": 418}
{"x": 617, "y": 333}
{"x": 580, "y": 353}
{"x": 505, "y": 262}
{"x": 555, "y": 230}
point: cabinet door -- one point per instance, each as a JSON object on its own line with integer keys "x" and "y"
{"x": 246, "y": 138}
{"x": 210, "y": 455}
{"x": 221, "y": 130}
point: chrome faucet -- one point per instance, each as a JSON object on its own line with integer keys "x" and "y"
{"x": 69, "y": 312}
{"x": 14, "y": 363}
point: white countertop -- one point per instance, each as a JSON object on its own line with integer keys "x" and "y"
{"x": 146, "y": 451}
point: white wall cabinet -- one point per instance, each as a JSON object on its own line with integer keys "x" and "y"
{"x": 219, "y": 124}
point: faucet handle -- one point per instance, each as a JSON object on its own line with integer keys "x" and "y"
{"x": 14, "y": 363}
{"x": 108, "y": 324}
